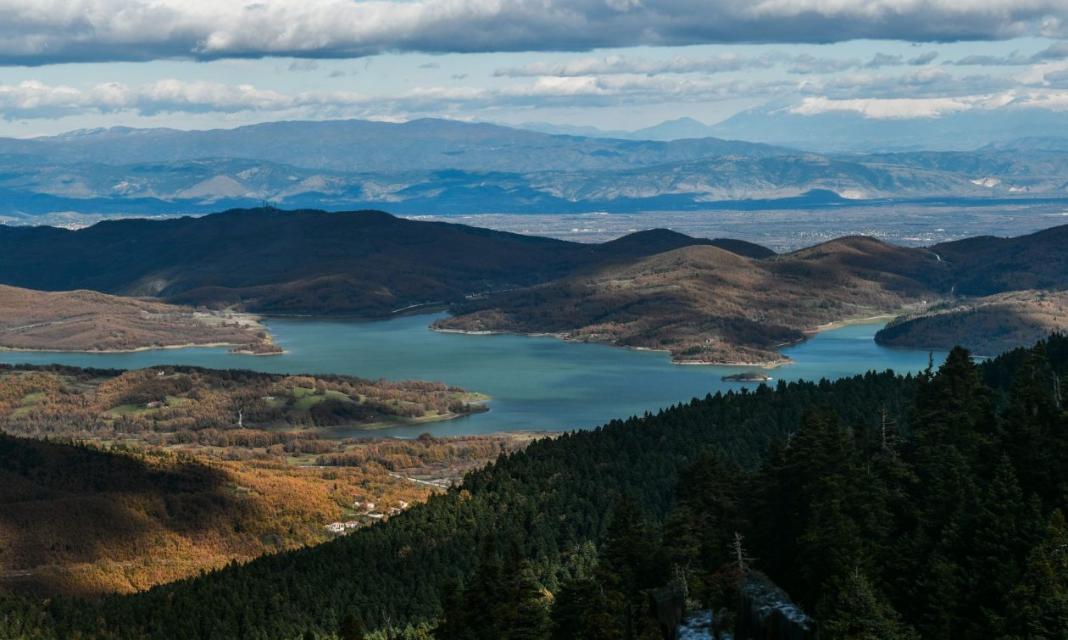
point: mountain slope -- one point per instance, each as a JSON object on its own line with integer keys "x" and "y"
{"x": 847, "y": 131}
{"x": 371, "y": 146}
{"x": 987, "y": 265}
{"x": 360, "y": 263}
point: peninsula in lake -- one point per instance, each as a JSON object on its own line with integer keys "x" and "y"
{"x": 987, "y": 325}
{"x": 92, "y": 321}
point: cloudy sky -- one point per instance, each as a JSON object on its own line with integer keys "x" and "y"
{"x": 614, "y": 64}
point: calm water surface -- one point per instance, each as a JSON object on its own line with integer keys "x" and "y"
{"x": 536, "y": 383}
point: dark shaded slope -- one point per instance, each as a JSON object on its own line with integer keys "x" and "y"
{"x": 68, "y": 504}
{"x": 363, "y": 263}
{"x": 743, "y": 248}
{"x": 986, "y": 326}
{"x": 987, "y": 265}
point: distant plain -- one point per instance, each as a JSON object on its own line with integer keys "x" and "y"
{"x": 787, "y": 229}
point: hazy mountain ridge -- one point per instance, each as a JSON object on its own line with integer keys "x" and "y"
{"x": 850, "y": 131}
{"x": 440, "y": 166}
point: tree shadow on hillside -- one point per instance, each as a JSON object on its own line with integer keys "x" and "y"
{"x": 66, "y": 505}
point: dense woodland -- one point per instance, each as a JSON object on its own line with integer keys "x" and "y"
{"x": 887, "y": 506}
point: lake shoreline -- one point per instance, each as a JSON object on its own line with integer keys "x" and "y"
{"x": 760, "y": 364}
{"x": 166, "y": 347}
{"x": 536, "y": 383}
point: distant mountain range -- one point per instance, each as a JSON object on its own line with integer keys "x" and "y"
{"x": 445, "y": 167}
{"x": 850, "y": 131}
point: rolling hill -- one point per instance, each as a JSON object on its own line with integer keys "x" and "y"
{"x": 358, "y": 263}
{"x": 987, "y": 265}
{"x": 703, "y": 300}
{"x": 705, "y": 304}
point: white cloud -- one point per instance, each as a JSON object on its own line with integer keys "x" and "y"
{"x": 33, "y": 99}
{"x": 617, "y": 64}
{"x": 924, "y": 58}
{"x": 928, "y": 91}
{"x": 802, "y": 64}
{"x": 44, "y": 31}
{"x": 883, "y": 108}
{"x": 934, "y": 107}
{"x": 1056, "y": 51}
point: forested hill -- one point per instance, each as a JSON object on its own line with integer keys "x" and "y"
{"x": 905, "y": 504}
{"x": 365, "y": 263}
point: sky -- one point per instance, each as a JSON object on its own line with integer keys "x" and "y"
{"x": 613, "y": 64}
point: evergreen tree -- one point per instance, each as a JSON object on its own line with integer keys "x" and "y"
{"x": 857, "y": 612}
{"x": 1038, "y": 606}
{"x": 580, "y": 612}
{"x": 1029, "y": 429}
{"x": 351, "y": 628}
{"x": 1004, "y": 527}
{"x": 532, "y": 620}
{"x": 702, "y": 525}
{"x": 630, "y": 565}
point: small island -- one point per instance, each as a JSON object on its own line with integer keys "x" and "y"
{"x": 748, "y": 376}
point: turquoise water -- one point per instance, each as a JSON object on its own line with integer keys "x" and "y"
{"x": 536, "y": 383}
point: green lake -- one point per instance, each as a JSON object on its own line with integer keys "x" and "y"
{"x": 536, "y": 383}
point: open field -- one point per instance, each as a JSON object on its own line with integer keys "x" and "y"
{"x": 91, "y": 321}
{"x": 788, "y": 229}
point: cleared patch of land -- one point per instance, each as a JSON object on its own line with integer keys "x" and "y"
{"x": 91, "y": 321}
{"x": 987, "y": 326}
{"x": 154, "y": 475}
